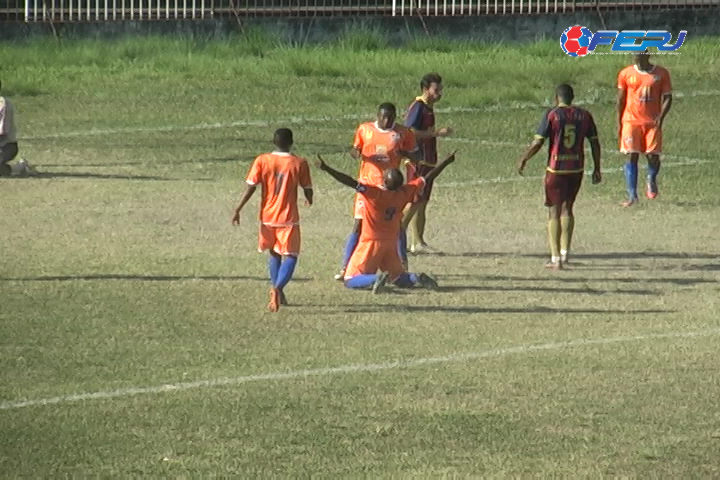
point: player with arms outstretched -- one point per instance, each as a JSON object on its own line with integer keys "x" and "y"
{"x": 279, "y": 175}
{"x": 377, "y": 248}
{"x": 644, "y": 100}
{"x": 421, "y": 119}
{"x": 380, "y": 146}
{"x": 566, "y": 127}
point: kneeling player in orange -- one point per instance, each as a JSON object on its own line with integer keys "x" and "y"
{"x": 377, "y": 246}
{"x": 379, "y": 145}
{"x": 280, "y": 173}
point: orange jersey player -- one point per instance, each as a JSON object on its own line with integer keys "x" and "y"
{"x": 644, "y": 100}
{"x": 377, "y": 247}
{"x": 279, "y": 175}
{"x": 380, "y": 146}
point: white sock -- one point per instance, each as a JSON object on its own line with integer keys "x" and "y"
{"x": 17, "y": 169}
{"x": 554, "y": 259}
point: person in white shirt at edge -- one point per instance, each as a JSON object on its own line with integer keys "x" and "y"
{"x": 8, "y": 142}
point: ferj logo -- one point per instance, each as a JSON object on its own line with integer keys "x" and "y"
{"x": 579, "y": 41}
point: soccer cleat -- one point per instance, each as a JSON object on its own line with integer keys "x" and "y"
{"x": 274, "y": 304}
{"x": 426, "y": 281}
{"x": 554, "y": 265}
{"x": 629, "y": 203}
{"x": 340, "y": 277}
{"x": 380, "y": 282}
{"x": 27, "y": 169}
{"x": 652, "y": 190}
{"x": 283, "y": 300}
{"x": 563, "y": 259}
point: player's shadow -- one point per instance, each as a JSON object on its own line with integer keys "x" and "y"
{"x": 561, "y": 290}
{"x": 142, "y": 278}
{"x": 480, "y": 309}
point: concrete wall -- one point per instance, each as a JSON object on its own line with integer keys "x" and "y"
{"x": 698, "y": 22}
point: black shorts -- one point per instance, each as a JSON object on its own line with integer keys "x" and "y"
{"x": 8, "y": 152}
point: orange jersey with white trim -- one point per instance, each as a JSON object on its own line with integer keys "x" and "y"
{"x": 645, "y": 91}
{"x": 384, "y": 209}
{"x": 280, "y": 174}
{"x": 380, "y": 150}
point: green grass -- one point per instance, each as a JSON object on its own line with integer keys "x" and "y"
{"x": 121, "y": 270}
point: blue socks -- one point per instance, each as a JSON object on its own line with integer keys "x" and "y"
{"x": 631, "y": 178}
{"x": 653, "y": 170}
{"x": 281, "y": 269}
{"x": 361, "y": 281}
{"x": 406, "y": 280}
{"x": 402, "y": 245}
{"x": 350, "y": 246}
{"x": 274, "y": 266}
{"x": 287, "y": 268}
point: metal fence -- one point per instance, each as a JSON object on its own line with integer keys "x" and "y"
{"x": 113, "y": 10}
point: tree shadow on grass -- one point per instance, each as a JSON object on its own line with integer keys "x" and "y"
{"x": 480, "y": 309}
{"x": 561, "y": 279}
{"x": 581, "y": 256}
{"x": 552, "y": 290}
{"x": 107, "y": 176}
{"x": 142, "y": 278}
{"x": 153, "y": 163}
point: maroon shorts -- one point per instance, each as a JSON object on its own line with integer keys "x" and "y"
{"x": 421, "y": 171}
{"x": 560, "y": 189}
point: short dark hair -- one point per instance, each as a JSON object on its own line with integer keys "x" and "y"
{"x": 565, "y": 93}
{"x": 388, "y": 107}
{"x": 428, "y": 79}
{"x": 283, "y": 137}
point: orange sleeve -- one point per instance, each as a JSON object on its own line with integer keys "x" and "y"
{"x": 359, "y": 136}
{"x": 408, "y": 142}
{"x": 622, "y": 81}
{"x": 415, "y": 187}
{"x": 305, "y": 180}
{"x": 368, "y": 191}
{"x": 666, "y": 83}
{"x": 255, "y": 175}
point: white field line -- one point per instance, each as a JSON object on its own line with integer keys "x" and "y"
{"x": 321, "y": 119}
{"x": 347, "y": 369}
{"x": 677, "y": 161}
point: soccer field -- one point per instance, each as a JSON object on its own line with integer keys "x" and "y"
{"x": 134, "y": 336}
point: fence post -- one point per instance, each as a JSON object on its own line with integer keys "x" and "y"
{"x": 394, "y": 6}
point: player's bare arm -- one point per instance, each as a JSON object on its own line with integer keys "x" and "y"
{"x": 246, "y": 198}
{"x": 432, "y": 133}
{"x": 339, "y": 176}
{"x": 531, "y": 151}
{"x": 438, "y": 170}
{"x": 666, "y": 105}
{"x": 595, "y": 149}
{"x": 309, "y": 193}
{"x": 414, "y": 156}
